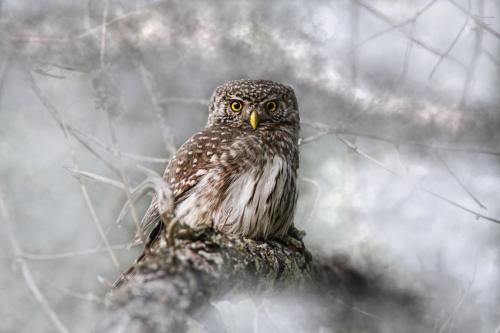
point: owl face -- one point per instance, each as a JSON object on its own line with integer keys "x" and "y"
{"x": 253, "y": 105}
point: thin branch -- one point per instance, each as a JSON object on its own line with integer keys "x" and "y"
{"x": 57, "y": 116}
{"x": 148, "y": 84}
{"x": 401, "y": 163}
{"x": 92, "y": 150}
{"x": 4, "y": 67}
{"x": 354, "y": 22}
{"x": 400, "y": 25}
{"x": 114, "y": 139}
{"x": 135, "y": 195}
{"x": 88, "y": 296}
{"x": 153, "y": 182}
{"x": 314, "y": 137}
{"x": 70, "y": 255}
{"x": 448, "y": 50}
{"x": 317, "y": 187}
{"x": 104, "y": 27}
{"x": 476, "y": 19}
{"x": 86, "y": 15}
{"x": 474, "y": 59}
{"x": 98, "y": 178}
{"x": 116, "y": 20}
{"x": 125, "y": 182}
{"x": 407, "y": 56}
{"x": 45, "y": 73}
{"x": 417, "y": 41}
{"x": 325, "y": 129}
{"x": 37, "y": 39}
{"x": 26, "y": 272}
{"x": 462, "y": 185}
{"x": 140, "y": 158}
{"x": 491, "y": 57}
{"x": 459, "y": 303}
{"x": 418, "y": 187}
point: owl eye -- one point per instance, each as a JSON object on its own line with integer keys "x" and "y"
{"x": 236, "y": 106}
{"x": 271, "y": 106}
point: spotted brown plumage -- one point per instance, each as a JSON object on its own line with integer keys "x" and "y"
{"x": 239, "y": 173}
{"x": 239, "y": 179}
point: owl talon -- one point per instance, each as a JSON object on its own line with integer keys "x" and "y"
{"x": 171, "y": 230}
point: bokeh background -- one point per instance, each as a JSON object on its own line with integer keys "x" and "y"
{"x": 105, "y": 87}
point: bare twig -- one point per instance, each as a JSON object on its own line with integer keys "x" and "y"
{"x": 491, "y": 57}
{"x": 448, "y": 50}
{"x": 88, "y": 296}
{"x": 116, "y": 20}
{"x": 164, "y": 195}
{"x": 325, "y": 129}
{"x": 317, "y": 187}
{"x": 86, "y": 14}
{"x": 400, "y": 25}
{"x": 314, "y": 137}
{"x": 58, "y": 117}
{"x": 407, "y": 56}
{"x": 476, "y": 19}
{"x": 474, "y": 59}
{"x": 98, "y": 178}
{"x": 354, "y": 21}
{"x": 462, "y": 185}
{"x": 148, "y": 84}
{"x": 92, "y": 150}
{"x": 70, "y": 255}
{"x": 459, "y": 303}
{"x": 45, "y": 73}
{"x": 415, "y": 40}
{"x": 4, "y": 67}
{"x": 114, "y": 139}
{"x": 26, "y": 272}
{"x": 125, "y": 182}
{"x": 417, "y": 186}
{"x": 153, "y": 182}
{"x": 104, "y": 27}
{"x": 79, "y": 133}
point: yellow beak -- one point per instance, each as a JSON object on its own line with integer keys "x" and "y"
{"x": 253, "y": 120}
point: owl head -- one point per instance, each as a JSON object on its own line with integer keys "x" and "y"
{"x": 254, "y": 105}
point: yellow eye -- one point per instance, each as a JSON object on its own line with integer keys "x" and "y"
{"x": 271, "y": 106}
{"x": 236, "y": 106}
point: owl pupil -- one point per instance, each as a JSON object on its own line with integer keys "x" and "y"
{"x": 236, "y": 106}
{"x": 271, "y": 106}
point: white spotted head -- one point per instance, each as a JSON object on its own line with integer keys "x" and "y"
{"x": 253, "y": 105}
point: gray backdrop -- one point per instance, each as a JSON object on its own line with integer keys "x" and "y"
{"x": 105, "y": 86}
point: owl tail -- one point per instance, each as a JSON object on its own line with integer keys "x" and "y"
{"x": 128, "y": 273}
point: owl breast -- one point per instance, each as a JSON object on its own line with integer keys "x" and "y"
{"x": 258, "y": 201}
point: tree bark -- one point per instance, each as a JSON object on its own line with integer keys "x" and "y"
{"x": 173, "y": 285}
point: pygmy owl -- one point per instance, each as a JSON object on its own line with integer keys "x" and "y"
{"x": 239, "y": 173}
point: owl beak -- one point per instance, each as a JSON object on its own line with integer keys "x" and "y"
{"x": 254, "y": 119}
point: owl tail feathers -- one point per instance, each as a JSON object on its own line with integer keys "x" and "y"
{"x": 128, "y": 273}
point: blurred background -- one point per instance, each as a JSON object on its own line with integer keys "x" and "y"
{"x": 400, "y": 158}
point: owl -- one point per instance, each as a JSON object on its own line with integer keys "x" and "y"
{"x": 239, "y": 174}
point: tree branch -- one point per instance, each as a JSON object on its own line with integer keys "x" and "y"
{"x": 83, "y": 188}
{"x": 175, "y": 285}
{"x": 26, "y": 272}
{"x": 421, "y": 188}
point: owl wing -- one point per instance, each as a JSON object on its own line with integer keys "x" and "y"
{"x": 186, "y": 167}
